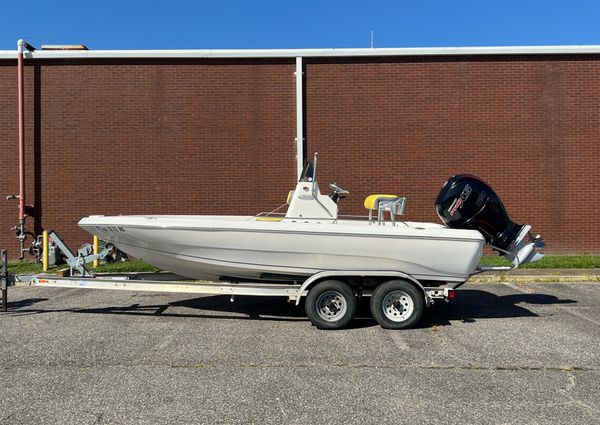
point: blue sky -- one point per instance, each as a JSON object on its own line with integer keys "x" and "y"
{"x": 176, "y": 24}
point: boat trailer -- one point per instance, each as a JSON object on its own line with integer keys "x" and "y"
{"x": 294, "y": 291}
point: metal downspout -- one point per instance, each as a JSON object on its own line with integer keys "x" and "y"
{"x": 299, "y": 118}
{"x": 21, "y": 235}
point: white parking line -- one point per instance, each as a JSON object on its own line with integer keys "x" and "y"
{"x": 397, "y": 339}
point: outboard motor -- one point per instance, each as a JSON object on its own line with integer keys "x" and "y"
{"x": 468, "y": 202}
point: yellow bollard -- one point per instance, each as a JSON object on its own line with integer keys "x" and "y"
{"x": 96, "y": 243}
{"x": 45, "y": 250}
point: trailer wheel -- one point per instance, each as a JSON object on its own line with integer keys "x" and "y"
{"x": 397, "y": 304}
{"x": 330, "y": 304}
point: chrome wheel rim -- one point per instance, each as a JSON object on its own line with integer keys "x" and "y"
{"x": 398, "y": 306}
{"x": 331, "y": 306}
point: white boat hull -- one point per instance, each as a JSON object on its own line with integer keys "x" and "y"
{"x": 215, "y": 247}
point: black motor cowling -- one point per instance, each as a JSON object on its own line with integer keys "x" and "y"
{"x": 468, "y": 202}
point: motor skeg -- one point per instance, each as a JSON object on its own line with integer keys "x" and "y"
{"x": 468, "y": 202}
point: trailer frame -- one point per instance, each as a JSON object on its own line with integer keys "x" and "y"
{"x": 293, "y": 291}
{"x": 365, "y": 284}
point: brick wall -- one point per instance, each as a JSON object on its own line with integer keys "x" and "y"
{"x": 178, "y": 136}
{"x": 146, "y": 137}
{"x": 530, "y": 126}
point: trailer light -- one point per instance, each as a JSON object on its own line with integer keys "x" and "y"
{"x": 451, "y": 294}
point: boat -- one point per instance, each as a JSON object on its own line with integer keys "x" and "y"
{"x": 311, "y": 237}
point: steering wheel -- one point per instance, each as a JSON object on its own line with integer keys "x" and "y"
{"x": 338, "y": 193}
{"x": 337, "y": 189}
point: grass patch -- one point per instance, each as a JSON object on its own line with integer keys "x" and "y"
{"x": 551, "y": 262}
{"x": 131, "y": 266}
{"x": 24, "y": 267}
{"x": 515, "y": 279}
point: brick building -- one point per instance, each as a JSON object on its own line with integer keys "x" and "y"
{"x": 215, "y": 132}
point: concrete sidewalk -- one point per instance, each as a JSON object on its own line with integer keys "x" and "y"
{"x": 554, "y": 272}
{"x": 539, "y": 275}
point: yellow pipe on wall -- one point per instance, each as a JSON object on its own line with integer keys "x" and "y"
{"x": 45, "y": 253}
{"x": 96, "y": 244}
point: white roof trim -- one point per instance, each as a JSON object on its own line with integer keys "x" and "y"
{"x": 292, "y": 53}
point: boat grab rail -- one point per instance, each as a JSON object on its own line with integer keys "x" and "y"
{"x": 266, "y": 214}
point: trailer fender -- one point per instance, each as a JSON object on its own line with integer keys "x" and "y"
{"x": 360, "y": 273}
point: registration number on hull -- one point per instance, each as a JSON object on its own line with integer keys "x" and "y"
{"x": 110, "y": 229}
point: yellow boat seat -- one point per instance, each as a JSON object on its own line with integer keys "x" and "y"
{"x": 380, "y": 203}
{"x": 372, "y": 201}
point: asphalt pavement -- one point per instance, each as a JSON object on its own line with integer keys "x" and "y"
{"x": 499, "y": 353}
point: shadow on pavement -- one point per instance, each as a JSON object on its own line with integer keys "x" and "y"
{"x": 245, "y": 308}
{"x": 13, "y": 305}
{"x": 469, "y": 305}
{"x": 473, "y": 304}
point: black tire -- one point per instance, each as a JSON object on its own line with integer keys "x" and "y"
{"x": 330, "y": 304}
{"x": 404, "y": 304}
